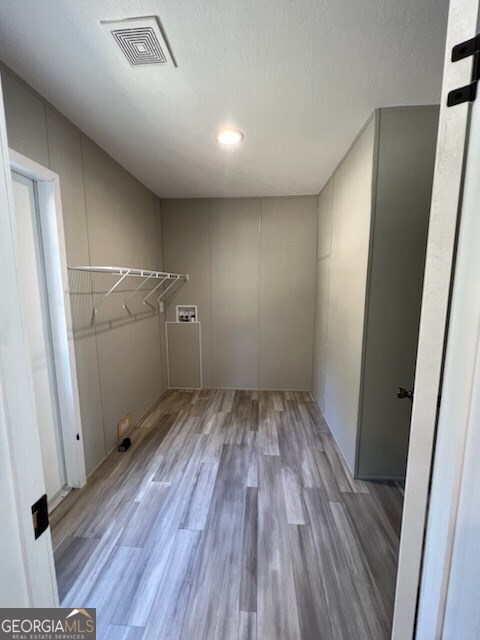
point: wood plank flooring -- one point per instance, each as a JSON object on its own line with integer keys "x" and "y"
{"x": 231, "y": 517}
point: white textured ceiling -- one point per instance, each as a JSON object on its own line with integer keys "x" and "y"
{"x": 298, "y": 77}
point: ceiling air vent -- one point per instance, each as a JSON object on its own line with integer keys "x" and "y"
{"x": 141, "y": 40}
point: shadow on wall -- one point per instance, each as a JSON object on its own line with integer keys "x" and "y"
{"x": 127, "y": 304}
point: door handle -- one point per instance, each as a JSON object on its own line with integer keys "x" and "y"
{"x": 403, "y": 393}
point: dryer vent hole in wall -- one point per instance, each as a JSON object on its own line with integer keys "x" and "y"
{"x": 124, "y": 445}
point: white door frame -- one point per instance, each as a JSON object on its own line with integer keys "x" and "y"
{"x": 30, "y": 563}
{"x": 435, "y": 304}
{"x": 53, "y": 241}
{"x": 448, "y": 604}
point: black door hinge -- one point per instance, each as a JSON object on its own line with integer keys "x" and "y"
{"x": 468, "y": 93}
{"x": 40, "y": 516}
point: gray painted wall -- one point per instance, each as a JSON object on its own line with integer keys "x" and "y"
{"x": 324, "y": 244}
{"x": 287, "y": 267}
{"x": 235, "y": 292}
{"x": 344, "y": 213}
{"x": 254, "y": 278}
{"x": 372, "y": 228}
{"x": 406, "y": 155}
{"x": 109, "y": 218}
{"x": 252, "y": 274}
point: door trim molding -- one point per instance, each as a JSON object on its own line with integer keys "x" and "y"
{"x": 30, "y": 561}
{"x": 450, "y": 567}
{"x": 452, "y": 130}
{"x": 53, "y": 239}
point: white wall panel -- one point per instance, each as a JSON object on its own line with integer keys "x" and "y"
{"x": 184, "y": 354}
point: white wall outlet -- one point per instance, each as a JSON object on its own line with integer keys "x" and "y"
{"x": 124, "y": 426}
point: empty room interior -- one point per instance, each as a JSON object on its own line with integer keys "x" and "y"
{"x": 220, "y": 220}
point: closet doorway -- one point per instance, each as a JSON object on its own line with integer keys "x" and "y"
{"x": 31, "y": 267}
{"x": 47, "y": 320}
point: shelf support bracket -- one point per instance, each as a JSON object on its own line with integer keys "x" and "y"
{"x": 111, "y": 290}
{"x": 153, "y": 291}
{"x": 134, "y": 292}
{"x": 168, "y": 288}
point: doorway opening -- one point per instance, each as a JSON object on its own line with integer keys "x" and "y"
{"x": 48, "y": 323}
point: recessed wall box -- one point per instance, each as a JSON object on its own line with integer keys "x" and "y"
{"x": 187, "y": 313}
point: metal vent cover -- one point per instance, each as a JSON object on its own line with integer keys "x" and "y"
{"x": 141, "y": 40}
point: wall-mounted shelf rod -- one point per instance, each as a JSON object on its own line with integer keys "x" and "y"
{"x": 130, "y": 272}
{"x": 133, "y": 272}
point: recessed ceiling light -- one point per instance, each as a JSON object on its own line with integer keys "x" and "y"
{"x": 230, "y": 136}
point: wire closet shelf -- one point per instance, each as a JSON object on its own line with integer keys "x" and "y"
{"x": 167, "y": 279}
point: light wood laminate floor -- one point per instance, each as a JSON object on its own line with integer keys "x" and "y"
{"x": 231, "y": 517}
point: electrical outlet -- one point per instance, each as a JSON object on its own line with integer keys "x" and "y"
{"x": 124, "y": 426}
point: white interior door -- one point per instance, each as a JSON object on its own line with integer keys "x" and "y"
{"x": 449, "y": 597}
{"x": 447, "y": 183}
{"x": 36, "y": 317}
